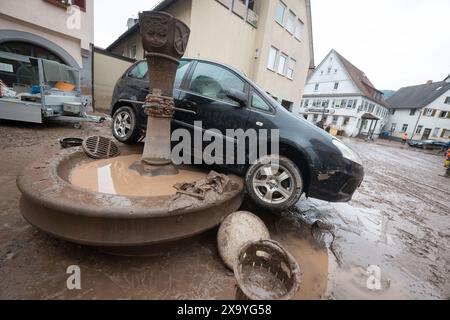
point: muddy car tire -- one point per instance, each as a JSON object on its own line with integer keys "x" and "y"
{"x": 125, "y": 126}
{"x": 272, "y": 188}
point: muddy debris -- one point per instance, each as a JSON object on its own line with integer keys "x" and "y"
{"x": 266, "y": 271}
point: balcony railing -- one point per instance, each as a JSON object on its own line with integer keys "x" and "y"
{"x": 252, "y": 18}
{"x": 240, "y": 8}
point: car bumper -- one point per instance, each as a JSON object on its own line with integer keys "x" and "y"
{"x": 337, "y": 185}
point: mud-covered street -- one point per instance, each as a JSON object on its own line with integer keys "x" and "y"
{"x": 398, "y": 223}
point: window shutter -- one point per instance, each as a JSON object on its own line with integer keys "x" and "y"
{"x": 434, "y": 113}
{"x": 425, "y": 111}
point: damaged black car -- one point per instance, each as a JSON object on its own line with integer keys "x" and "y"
{"x": 311, "y": 161}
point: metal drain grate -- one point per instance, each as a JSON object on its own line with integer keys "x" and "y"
{"x": 100, "y": 148}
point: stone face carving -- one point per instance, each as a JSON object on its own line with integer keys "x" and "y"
{"x": 154, "y": 30}
{"x": 163, "y": 34}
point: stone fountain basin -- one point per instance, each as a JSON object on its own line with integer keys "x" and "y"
{"x": 52, "y": 204}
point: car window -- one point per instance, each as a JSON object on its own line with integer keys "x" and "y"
{"x": 259, "y": 103}
{"x": 181, "y": 72}
{"x": 214, "y": 81}
{"x": 139, "y": 71}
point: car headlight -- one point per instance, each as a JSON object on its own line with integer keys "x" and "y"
{"x": 347, "y": 153}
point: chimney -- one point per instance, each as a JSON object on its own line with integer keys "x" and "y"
{"x": 430, "y": 82}
{"x": 131, "y": 22}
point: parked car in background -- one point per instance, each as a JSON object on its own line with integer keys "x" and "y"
{"x": 430, "y": 144}
{"x": 311, "y": 161}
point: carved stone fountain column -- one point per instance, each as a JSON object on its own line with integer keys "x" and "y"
{"x": 165, "y": 40}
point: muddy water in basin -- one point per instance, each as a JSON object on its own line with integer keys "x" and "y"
{"x": 113, "y": 176}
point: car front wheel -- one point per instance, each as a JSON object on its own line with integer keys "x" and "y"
{"x": 274, "y": 183}
{"x": 125, "y": 127}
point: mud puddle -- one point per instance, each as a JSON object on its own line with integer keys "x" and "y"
{"x": 113, "y": 176}
{"x": 368, "y": 256}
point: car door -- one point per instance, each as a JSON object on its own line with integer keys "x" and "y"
{"x": 262, "y": 116}
{"x": 206, "y": 96}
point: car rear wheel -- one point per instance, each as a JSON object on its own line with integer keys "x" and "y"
{"x": 125, "y": 127}
{"x": 274, "y": 186}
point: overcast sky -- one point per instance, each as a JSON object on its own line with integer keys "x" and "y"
{"x": 395, "y": 42}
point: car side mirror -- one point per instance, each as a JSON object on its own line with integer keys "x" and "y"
{"x": 237, "y": 96}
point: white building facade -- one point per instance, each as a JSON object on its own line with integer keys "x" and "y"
{"x": 423, "y": 112}
{"x": 340, "y": 95}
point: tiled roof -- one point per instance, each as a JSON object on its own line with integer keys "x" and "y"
{"x": 361, "y": 81}
{"x": 416, "y": 97}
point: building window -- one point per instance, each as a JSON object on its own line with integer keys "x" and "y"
{"x": 349, "y": 104}
{"x": 28, "y": 49}
{"x": 316, "y": 87}
{"x": 447, "y": 100}
{"x": 336, "y": 85}
{"x": 132, "y": 52}
{"x": 290, "y": 25}
{"x": 290, "y": 69}
{"x": 80, "y": 3}
{"x": 346, "y": 121}
{"x": 444, "y": 114}
{"x": 412, "y": 112}
{"x": 287, "y": 105}
{"x": 315, "y": 117}
{"x": 405, "y": 128}
{"x": 436, "y": 132}
{"x": 393, "y": 127}
{"x": 445, "y": 134}
{"x": 282, "y": 64}
{"x": 343, "y": 103}
{"x": 429, "y": 112}
{"x": 299, "y": 29}
{"x": 272, "y": 58}
{"x": 66, "y": 3}
{"x": 281, "y": 9}
{"x": 306, "y": 105}
{"x": 419, "y": 130}
{"x": 335, "y": 120}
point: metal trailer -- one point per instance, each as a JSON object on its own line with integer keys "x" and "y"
{"x": 50, "y": 103}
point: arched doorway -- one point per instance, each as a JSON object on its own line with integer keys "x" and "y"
{"x": 31, "y": 43}
{"x": 30, "y": 50}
